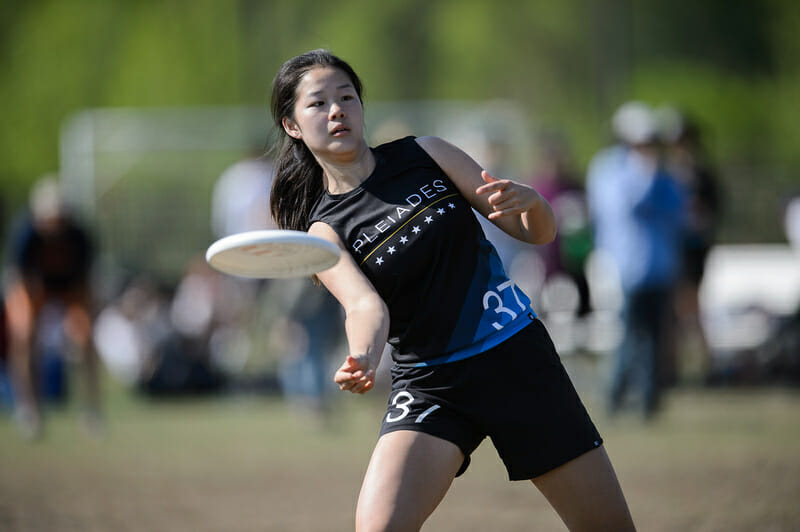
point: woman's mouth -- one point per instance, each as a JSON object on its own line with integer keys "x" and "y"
{"x": 339, "y": 130}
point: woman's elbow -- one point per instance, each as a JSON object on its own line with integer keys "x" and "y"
{"x": 549, "y": 233}
{"x": 371, "y": 304}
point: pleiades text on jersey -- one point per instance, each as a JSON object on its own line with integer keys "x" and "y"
{"x": 414, "y": 200}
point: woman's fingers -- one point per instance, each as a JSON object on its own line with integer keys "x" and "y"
{"x": 506, "y": 198}
{"x": 366, "y": 387}
{"x": 488, "y": 178}
{"x": 499, "y": 214}
{"x": 505, "y": 203}
{"x": 358, "y": 382}
{"x": 497, "y": 186}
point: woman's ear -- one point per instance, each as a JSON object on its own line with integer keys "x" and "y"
{"x": 290, "y": 126}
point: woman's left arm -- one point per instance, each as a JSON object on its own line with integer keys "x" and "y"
{"x": 517, "y": 209}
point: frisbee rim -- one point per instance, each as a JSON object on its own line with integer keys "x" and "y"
{"x": 235, "y": 241}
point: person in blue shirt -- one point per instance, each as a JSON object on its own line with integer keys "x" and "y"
{"x": 637, "y": 211}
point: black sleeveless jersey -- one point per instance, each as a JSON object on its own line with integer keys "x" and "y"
{"x": 417, "y": 240}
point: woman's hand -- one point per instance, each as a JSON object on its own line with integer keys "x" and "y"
{"x": 507, "y": 198}
{"x": 511, "y": 200}
{"x": 355, "y": 374}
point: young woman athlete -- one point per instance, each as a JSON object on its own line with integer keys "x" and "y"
{"x": 470, "y": 357}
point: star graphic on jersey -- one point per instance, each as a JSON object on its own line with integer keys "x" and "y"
{"x": 440, "y": 210}
{"x": 428, "y": 219}
{"x": 379, "y": 261}
{"x": 451, "y": 205}
{"x": 403, "y": 239}
{"x": 391, "y": 250}
{"x": 416, "y": 229}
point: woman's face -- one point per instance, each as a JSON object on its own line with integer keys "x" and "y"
{"x": 328, "y": 115}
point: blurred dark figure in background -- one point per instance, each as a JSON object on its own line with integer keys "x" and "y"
{"x": 154, "y": 337}
{"x": 688, "y": 162}
{"x": 48, "y": 302}
{"x": 181, "y": 362}
{"x": 555, "y": 179}
{"x": 637, "y": 211}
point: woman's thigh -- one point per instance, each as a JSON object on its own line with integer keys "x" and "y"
{"x": 586, "y": 494}
{"x": 408, "y": 476}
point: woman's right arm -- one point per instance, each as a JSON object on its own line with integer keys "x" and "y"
{"x": 366, "y": 316}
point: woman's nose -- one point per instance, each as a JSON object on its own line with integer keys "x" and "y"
{"x": 335, "y": 111}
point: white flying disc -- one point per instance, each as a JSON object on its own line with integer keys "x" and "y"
{"x": 273, "y": 254}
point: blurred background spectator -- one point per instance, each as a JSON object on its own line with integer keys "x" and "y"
{"x": 637, "y": 211}
{"x": 565, "y": 258}
{"x": 240, "y": 197}
{"x": 688, "y": 160}
{"x": 49, "y": 308}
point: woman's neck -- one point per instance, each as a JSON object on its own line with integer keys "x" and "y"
{"x": 341, "y": 176}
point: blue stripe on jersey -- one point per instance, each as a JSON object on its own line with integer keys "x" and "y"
{"x": 484, "y": 345}
{"x": 493, "y": 301}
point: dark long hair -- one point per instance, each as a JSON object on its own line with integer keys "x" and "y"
{"x": 297, "y": 181}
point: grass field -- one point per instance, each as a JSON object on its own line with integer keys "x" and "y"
{"x": 726, "y": 460}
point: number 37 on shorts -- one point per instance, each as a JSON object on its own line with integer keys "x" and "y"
{"x": 401, "y": 408}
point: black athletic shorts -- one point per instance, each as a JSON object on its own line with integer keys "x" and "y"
{"x": 517, "y": 393}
